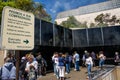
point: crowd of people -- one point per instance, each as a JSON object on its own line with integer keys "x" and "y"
{"x": 32, "y": 67}
{"x": 62, "y": 62}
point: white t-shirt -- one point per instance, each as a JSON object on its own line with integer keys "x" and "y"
{"x": 34, "y": 63}
{"x": 89, "y": 61}
{"x": 55, "y": 59}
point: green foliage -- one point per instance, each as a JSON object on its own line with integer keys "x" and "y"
{"x": 99, "y": 18}
{"x": 71, "y": 22}
{"x": 3, "y": 4}
{"x": 92, "y": 25}
{"x": 83, "y": 25}
{"x": 106, "y": 20}
{"x": 101, "y": 25}
{"x": 55, "y": 22}
{"x": 47, "y": 18}
{"x": 27, "y": 5}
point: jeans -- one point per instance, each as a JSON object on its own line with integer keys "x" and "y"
{"x": 57, "y": 71}
{"x": 101, "y": 63}
{"x": 89, "y": 70}
{"x": 67, "y": 67}
{"x": 54, "y": 66}
{"x": 77, "y": 65}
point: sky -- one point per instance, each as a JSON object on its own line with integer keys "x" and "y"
{"x": 53, "y": 7}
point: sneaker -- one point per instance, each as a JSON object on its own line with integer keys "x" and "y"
{"x": 74, "y": 69}
{"x": 66, "y": 73}
{"x": 57, "y": 77}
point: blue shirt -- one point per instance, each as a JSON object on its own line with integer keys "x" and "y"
{"x": 61, "y": 61}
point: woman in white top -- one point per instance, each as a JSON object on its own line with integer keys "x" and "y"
{"x": 89, "y": 64}
{"x": 31, "y": 67}
{"x": 55, "y": 63}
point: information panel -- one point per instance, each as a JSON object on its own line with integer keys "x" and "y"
{"x": 17, "y": 29}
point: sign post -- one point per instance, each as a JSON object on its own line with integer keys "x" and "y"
{"x": 17, "y": 32}
{"x": 17, "y": 56}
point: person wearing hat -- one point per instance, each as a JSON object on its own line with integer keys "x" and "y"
{"x": 22, "y": 68}
{"x": 8, "y": 70}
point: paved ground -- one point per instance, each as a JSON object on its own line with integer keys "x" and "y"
{"x": 73, "y": 75}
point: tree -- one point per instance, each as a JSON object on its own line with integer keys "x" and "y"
{"x": 47, "y": 18}
{"x": 55, "y": 22}
{"x": 71, "y": 22}
{"x": 92, "y": 25}
{"x": 27, "y": 5}
{"x": 3, "y": 4}
{"x": 106, "y": 20}
{"x": 99, "y": 18}
{"x": 83, "y": 25}
{"x": 101, "y": 25}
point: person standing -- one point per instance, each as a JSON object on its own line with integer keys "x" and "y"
{"x": 22, "y": 68}
{"x": 61, "y": 67}
{"x": 31, "y": 67}
{"x": 76, "y": 58}
{"x": 116, "y": 58}
{"x": 93, "y": 55}
{"x": 101, "y": 59}
{"x": 89, "y": 64}
{"x": 83, "y": 59}
{"x": 70, "y": 61}
{"x": 8, "y": 70}
{"x": 42, "y": 64}
{"x": 55, "y": 63}
{"x": 67, "y": 63}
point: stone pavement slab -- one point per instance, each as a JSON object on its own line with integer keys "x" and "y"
{"x": 73, "y": 75}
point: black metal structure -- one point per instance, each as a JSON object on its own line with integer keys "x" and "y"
{"x": 49, "y": 34}
{"x": 50, "y": 37}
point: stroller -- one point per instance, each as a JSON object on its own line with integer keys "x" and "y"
{"x": 42, "y": 68}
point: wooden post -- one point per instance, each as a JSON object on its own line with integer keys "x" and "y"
{"x": 17, "y": 53}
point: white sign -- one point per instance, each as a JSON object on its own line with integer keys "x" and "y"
{"x": 17, "y": 29}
